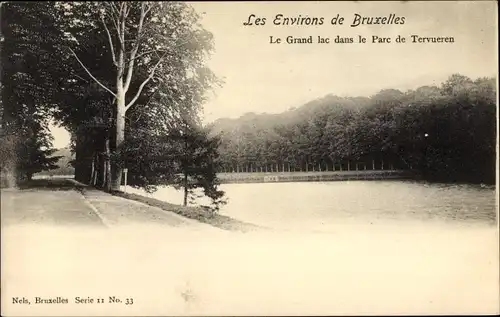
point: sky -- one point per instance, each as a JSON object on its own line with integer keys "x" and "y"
{"x": 262, "y": 77}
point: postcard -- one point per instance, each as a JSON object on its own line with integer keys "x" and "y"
{"x": 249, "y": 158}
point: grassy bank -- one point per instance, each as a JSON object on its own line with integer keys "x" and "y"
{"x": 197, "y": 213}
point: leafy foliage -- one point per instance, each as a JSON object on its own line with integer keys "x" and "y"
{"x": 185, "y": 157}
{"x": 149, "y": 58}
{"x": 198, "y": 163}
{"x": 110, "y": 71}
{"x": 26, "y": 145}
{"x": 447, "y": 133}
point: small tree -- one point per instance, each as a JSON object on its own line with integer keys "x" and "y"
{"x": 198, "y": 162}
{"x": 29, "y": 148}
{"x": 36, "y": 157}
{"x": 185, "y": 156}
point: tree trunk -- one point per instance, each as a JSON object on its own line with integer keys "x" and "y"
{"x": 107, "y": 166}
{"x": 185, "y": 188}
{"x": 79, "y": 154}
{"x": 120, "y": 137}
{"x": 95, "y": 169}
{"x": 92, "y": 172}
{"x": 100, "y": 168}
{"x": 103, "y": 173}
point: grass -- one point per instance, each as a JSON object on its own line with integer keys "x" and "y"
{"x": 197, "y": 213}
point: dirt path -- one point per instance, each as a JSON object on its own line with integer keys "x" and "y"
{"x": 64, "y": 202}
{"x": 48, "y": 207}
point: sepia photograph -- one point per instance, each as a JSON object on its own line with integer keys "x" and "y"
{"x": 246, "y": 158}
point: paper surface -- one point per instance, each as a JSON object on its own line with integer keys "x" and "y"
{"x": 58, "y": 264}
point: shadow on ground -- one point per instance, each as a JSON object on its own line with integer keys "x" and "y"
{"x": 49, "y": 184}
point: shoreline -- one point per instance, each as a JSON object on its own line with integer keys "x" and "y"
{"x": 312, "y": 176}
{"x": 197, "y": 213}
{"x": 193, "y": 212}
{"x": 322, "y": 176}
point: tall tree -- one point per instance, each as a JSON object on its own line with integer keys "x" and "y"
{"x": 26, "y": 105}
{"x": 158, "y": 42}
{"x": 198, "y": 164}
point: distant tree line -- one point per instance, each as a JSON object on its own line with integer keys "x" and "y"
{"x": 443, "y": 133}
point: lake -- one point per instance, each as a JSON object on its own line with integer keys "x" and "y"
{"x": 344, "y": 248}
{"x": 327, "y": 206}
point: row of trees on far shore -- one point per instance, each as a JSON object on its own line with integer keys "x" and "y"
{"x": 445, "y": 133}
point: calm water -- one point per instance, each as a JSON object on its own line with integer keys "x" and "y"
{"x": 325, "y": 206}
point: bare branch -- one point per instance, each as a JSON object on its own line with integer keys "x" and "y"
{"x": 122, "y": 6}
{"x": 113, "y": 8}
{"x": 136, "y": 47}
{"x": 139, "y": 91}
{"x": 123, "y": 18}
{"x": 117, "y": 28}
{"x": 110, "y": 41}
{"x": 145, "y": 106}
{"x": 127, "y": 10}
{"x": 92, "y": 76}
{"x": 119, "y": 23}
{"x": 146, "y": 53}
{"x": 115, "y": 18}
{"x": 85, "y": 80}
{"x": 114, "y": 13}
{"x": 147, "y": 11}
